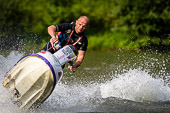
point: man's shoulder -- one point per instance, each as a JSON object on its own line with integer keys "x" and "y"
{"x": 84, "y": 36}
{"x": 85, "y": 39}
{"x": 66, "y": 26}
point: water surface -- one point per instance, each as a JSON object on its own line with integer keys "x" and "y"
{"x": 111, "y": 81}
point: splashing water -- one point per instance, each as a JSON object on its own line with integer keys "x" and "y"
{"x": 6, "y": 104}
{"x": 135, "y": 85}
{"x": 9, "y": 61}
{"x": 63, "y": 97}
{"x": 138, "y": 86}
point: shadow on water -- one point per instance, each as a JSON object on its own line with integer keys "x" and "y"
{"x": 119, "y": 105}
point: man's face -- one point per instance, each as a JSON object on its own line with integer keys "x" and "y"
{"x": 81, "y": 25}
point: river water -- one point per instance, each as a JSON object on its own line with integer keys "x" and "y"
{"x": 111, "y": 81}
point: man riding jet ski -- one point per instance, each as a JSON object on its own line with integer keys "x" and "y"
{"x": 34, "y": 77}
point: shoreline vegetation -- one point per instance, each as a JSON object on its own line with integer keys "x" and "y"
{"x": 123, "y": 24}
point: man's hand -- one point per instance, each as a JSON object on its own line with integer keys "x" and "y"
{"x": 72, "y": 68}
{"x": 54, "y": 39}
{"x": 78, "y": 62}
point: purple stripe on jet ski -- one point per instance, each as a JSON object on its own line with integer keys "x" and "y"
{"x": 52, "y": 69}
{"x": 47, "y": 62}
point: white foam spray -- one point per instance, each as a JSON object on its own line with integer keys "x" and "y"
{"x": 6, "y": 105}
{"x": 136, "y": 85}
{"x": 63, "y": 97}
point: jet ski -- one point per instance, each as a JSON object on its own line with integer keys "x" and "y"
{"x": 33, "y": 78}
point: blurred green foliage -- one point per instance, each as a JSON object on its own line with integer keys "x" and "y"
{"x": 126, "y": 24}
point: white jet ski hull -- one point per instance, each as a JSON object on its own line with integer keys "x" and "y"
{"x": 33, "y": 78}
